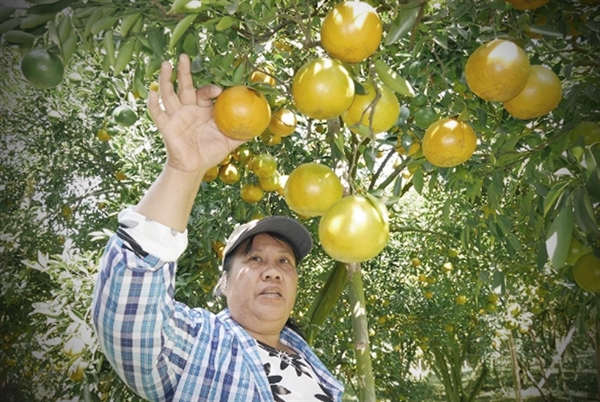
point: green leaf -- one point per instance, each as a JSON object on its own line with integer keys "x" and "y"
{"x": 393, "y": 80}
{"x": 558, "y": 238}
{"x": 555, "y": 192}
{"x": 584, "y": 212}
{"x": 543, "y": 30}
{"x": 417, "y": 180}
{"x": 225, "y": 23}
{"x": 401, "y": 25}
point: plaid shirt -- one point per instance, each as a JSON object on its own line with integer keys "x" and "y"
{"x": 166, "y": 351}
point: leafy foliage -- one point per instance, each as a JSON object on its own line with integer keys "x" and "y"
{"x": 510, "y": 210}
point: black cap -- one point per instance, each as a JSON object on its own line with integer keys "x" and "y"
{"x": 291, "y": 230}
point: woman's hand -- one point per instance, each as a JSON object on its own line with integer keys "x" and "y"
{"x": 192, "y": 139}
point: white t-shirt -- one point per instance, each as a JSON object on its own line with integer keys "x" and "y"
{"x": 292, "y": 378}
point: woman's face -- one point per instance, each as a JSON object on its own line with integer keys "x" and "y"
{"x": 262, "y": 284}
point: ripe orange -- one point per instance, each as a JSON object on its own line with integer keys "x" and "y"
{"x": 460, "y": 299}
{"x": 449, "y": 142}
{"x": 586, "y": 272}
{"x": 283, "y": 122}
{"x": 261, "y": 77}
{"x": 270, "y": 183}
{"x": 42, "y": 69}
{"x": 370, "y": 114}
{"x": 322, "y": 88}
{"x": 211, "y": 174}
{"x": 251, "y": 193}
{"x": 241, "y": 112}
{"x": 311, "y": 189}
{"x": 541, "y": 94}
{"x": 242, "y": 154}
{"x": 264, "y": 165}
{"x": 218, "y": 247}
{"x": 351, "y": 31}
{"x": 527, "y": 4}
{"x": 589, "y": 130}
{"x": 229, "y": 173}
{"x": 497, "y": 70}
{"x": 354, "y": 229}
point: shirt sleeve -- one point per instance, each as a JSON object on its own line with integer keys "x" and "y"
{"x": 152, "y": 237}
{"x": 146, "y": 335}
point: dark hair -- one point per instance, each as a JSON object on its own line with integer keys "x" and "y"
{"x": 244, "y": 248}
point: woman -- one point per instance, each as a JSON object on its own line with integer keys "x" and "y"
{"x": 166, "y": 351}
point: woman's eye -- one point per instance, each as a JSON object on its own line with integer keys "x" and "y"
{"x": 255, "y": 258}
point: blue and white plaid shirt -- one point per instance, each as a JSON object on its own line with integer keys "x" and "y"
{"x": 167, "y": 351}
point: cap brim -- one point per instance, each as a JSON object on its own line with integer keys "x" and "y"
{"x": 292, "y": 231}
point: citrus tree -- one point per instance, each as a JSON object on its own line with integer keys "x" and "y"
{"x": 450, "y": 149}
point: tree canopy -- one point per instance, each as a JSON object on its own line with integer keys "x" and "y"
{"x": 478, "y": 270}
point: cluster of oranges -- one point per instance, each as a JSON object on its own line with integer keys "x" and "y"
{"x": 352, "y": 228}
{"x": 322, "y": 88}
{"x": 262, "y": 166}
{"x": 499, "y": 71}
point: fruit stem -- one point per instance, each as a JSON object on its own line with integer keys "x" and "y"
{"x": 360, "y": 334}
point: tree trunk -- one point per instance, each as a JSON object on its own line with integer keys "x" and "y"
{"x": 515, "y": 364}
{"x": 360, "y": 333}
{"x": 597, "y": 348}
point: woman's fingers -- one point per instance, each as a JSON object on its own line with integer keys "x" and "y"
{"x": 167, "y": 93}
{"x": 185, "y": 85}
{"x": 205, "y": 95}
{"x": 158, "y": 115}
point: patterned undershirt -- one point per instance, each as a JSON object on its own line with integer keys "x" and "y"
{"x": 290, "y": 376}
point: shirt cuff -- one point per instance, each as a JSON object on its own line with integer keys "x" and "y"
{"x": 154, "y": 238}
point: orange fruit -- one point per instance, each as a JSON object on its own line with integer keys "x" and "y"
{"x": 311, "y": 189}
{"x": 541, "y": 94}
{"x": 449, "y": 142}
{"x": 270, "y": 183}
{"x": 372, "y": 113}
{"x": 322, "y": 88}
{"x": 576, "y": 250}
{"x": 283, "y": 122}
{"x": 211, "y": 174}
{"x": 460, "y": 299}
{"x": 103, "y": 135}
{"x": 586, "y": 272}
{"x": 527, "y": 4}
{"x": 218, "y": 247}
{"x": 124, "y": 115}
{"x": 42, "y": 69}
{"x": 251, "y": 193}
{"x": 351, "y": 31}
{"x": 425, "y": 116}
{"x": 589, "y": 130}
{"x": 497, "y": 70}
{"x": 262, "y": 77}
{"x": 414, "y": 147}
{"x": 354, "y": 229}
{"x": 241, "y": 112}
{"x": 264, "y": 165}
{"x": 242, "y": 154}
{"x": 229, "y": 173}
